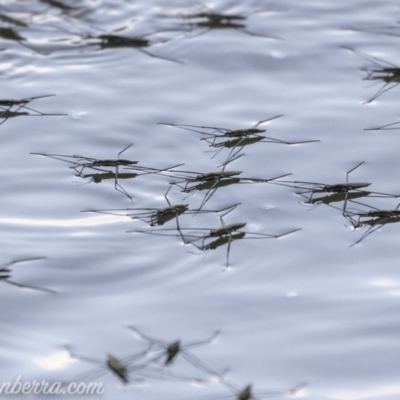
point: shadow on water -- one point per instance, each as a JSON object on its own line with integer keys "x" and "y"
{"x": 335, "y": 198}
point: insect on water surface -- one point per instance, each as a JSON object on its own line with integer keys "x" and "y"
{"x": 158, "y": 216}
{"x": 11, "y": 107}
{"x": 311, "y": 188}
{"x": 5, "y": 274}
{"x": 379, "y": 70}
{"x": 238, "y": 138}
{"x": 190, "y": 181}
{"x": 80, "y": 163}
{"x": 372, "y": 217}
{"x": 211, "y": 239}
{"x": 104, "y": 40}
{"x": 206, "y": 20}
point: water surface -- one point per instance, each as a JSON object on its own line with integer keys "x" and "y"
{"x": 305, "y": 307}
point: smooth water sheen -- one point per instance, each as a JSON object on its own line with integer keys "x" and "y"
{"x": 306, "y": 307}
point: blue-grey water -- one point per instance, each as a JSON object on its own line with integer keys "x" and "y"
{"x": 307, "y": 307}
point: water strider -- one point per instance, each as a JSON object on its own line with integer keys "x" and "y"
{"x": 372, "y": 217}
{"x": 190, "y": 181}
{"x": 226, "y": 234}
{"x": 80, "y": 163}
{"x": 158, "y": 216}
{"x": 311, "y": 188}
{"x": 206, "y": 20}
{"x": 379, "y": 70}
{"x": 103, "y": 40}
{"x": 10, "y": 108}
{"x": 388, "y": 127}
{"x": 5, "y": 274}
{"x": 215, "y": 136}
{"x": 213, "y": 238}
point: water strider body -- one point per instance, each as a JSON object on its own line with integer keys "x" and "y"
{"x": 227, "y": 229}
{"x": 110, "y": 40}
{"x": 214, "y": 176}
{"x": 118, "y": 368}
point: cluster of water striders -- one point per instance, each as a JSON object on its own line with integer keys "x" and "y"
{"x": 155, "y": 360}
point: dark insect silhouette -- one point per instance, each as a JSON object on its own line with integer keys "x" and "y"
{"x": 10, "y": 108}
{"x": 5, "y": 274}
